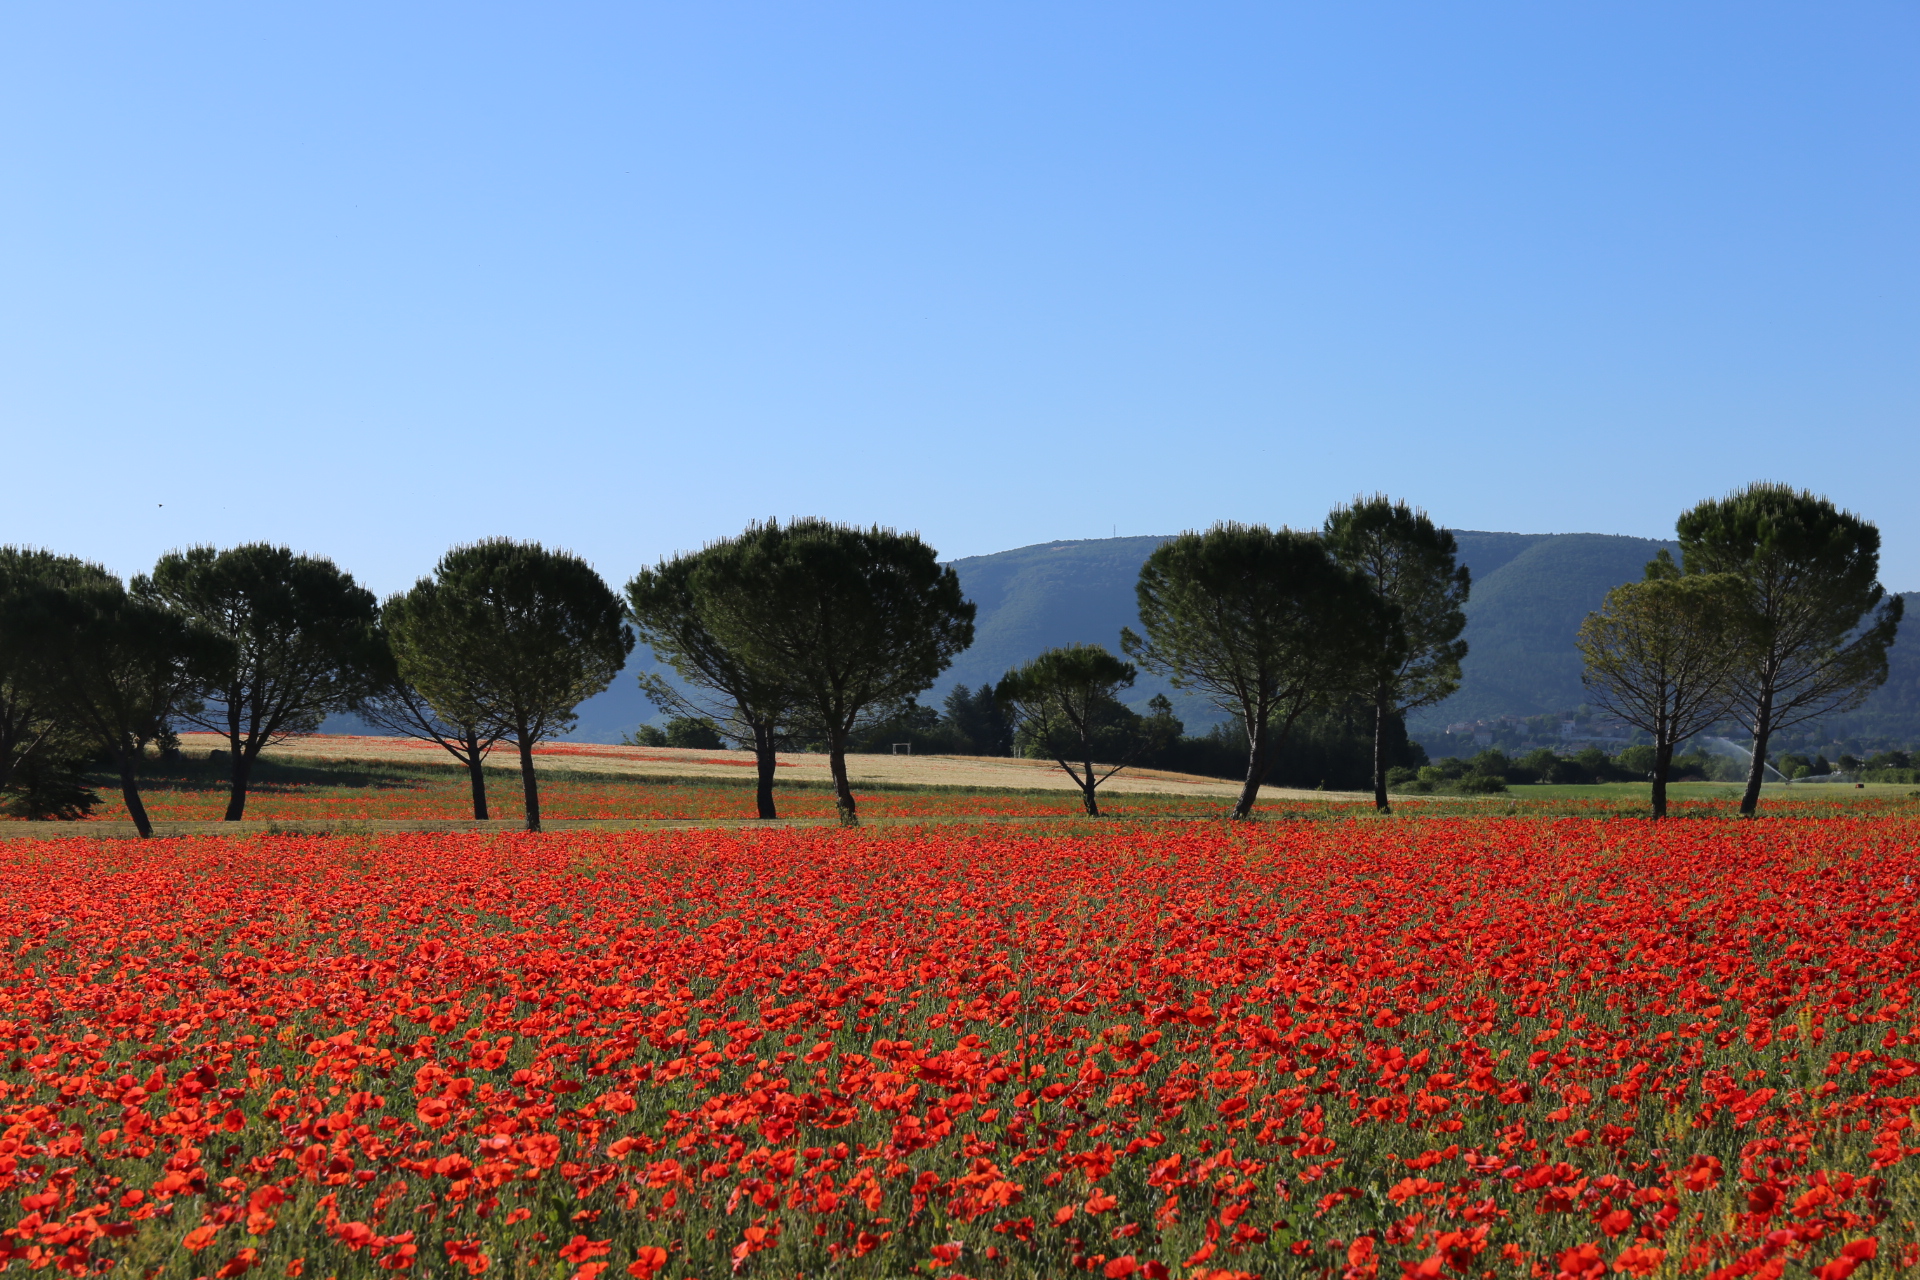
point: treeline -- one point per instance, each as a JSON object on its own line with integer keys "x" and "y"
{"x": 1310, "y": 642}
{"x": 1490, "y": 771}
{"x": 258, "y": 644}
{"x": 1331, "y": 749}
{"x": 823, "y": 635}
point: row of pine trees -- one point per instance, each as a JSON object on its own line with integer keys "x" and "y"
{"x": 811, "y": 631}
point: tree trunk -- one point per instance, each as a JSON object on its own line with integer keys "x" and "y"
{"x": 130, "y": 792}
{"x": 1662, "y": 758}
{"x": 477, "y": 778}
{"x": 1757, "y": 768}
{"x": 1087, "y": 786}
{"x": 240, "y": 774}
{"x": 1380, "y": 803}
{"x": 529, "y": 784}
{"x": 764, "y": 763}
{"x": 1257, "y": 763}
{"x": 842, "y": 791}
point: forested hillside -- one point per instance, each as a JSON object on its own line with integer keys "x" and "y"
{"x": 1038, "y": 597}
{"x": 1530, "y": 594}
{"x": 1894, "y": 711}
{"x": 1058, "y": 593}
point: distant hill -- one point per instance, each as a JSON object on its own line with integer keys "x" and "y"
{"x": 1051, "y": 594}
{"x": 1528, "y": 602}
{"x": 1530, "y": 593}
{"x": 1892, "y": 713}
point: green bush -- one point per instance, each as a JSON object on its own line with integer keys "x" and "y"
{"x": 1726, "y": 769}
{"x": 48, "y": 791}
{"x": 1536, "y": 766}
{"x": 1698, "y": 765}
{"x": 1480, "y": 784}
{"x": 692, "y": 732}
{"x": 695, "y": 732}
{"x": 1491, "y": 763}
{"x": 1636, "y": 761}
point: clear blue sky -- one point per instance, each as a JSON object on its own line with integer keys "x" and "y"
{"x": 373, "y": 279}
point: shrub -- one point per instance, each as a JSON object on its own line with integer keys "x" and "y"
{"x": 47, "y": 790}
{"x": 1726, "y": 769}
{"x": 1480, "y": 784}
{"x": 1537, "y": 765}
{"x": 1637, "y": 761}
{"x": 695, "y": 732}
{"x": 1491, "y": 763}
{"x": 1595, "y": 764}
{"x": 1696, "y": 767}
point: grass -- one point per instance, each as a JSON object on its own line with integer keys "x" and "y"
{"x": 1641, "y": 792}
{"x": 300, "y": 793}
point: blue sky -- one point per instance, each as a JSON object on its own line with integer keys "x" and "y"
{"x": 370, "y": 280}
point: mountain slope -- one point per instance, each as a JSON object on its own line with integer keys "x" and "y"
{"x": 1486, "y": 553}
{"x": 1040, "y": 597}
{"x": 1892, "y": 712}
{"x": 1522, "y": 617}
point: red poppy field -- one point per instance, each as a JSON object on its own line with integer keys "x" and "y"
{"x": 1505, "y": 1045}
